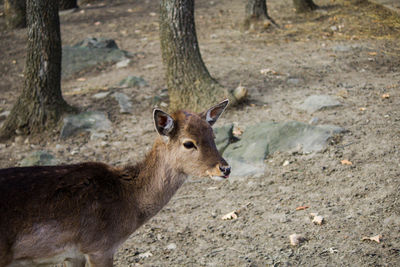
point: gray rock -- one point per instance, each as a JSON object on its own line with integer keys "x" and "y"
{"x": 90, "y": 53}
{"x": 248, "y": 154}
{"x": 314, "y": 121}
{"x": 39, "y": 158}
{"x": 133, "y": 81}
{"x": 4, "y": 115}
{"x": 318, "y": 102}
{"x": 101, "y": 95}
{"x": 93, "y": 42}
{"x": 342, "y": 48}
{"x": 125, "y": 104}
{"x": 123, "y": 63}
{"x": 223, "y": 137}
{"x": 294, "y": 81}
{"x": 91, "y": 121}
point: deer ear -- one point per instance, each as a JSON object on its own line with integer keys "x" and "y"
{"x": 212, "y": 115}
{"x": 164, "y": 123}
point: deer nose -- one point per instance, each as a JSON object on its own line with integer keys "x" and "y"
{"x": 226, "y": 170}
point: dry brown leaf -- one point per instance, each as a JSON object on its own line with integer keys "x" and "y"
{"x": 385, "y": 96}
{"x": 318, "y": 219}
{"x": 343, "y": 93}
{"x": 230, "y": 216}
{"x": 296, "y": 239}
{"x": 372, "y": 53}
{"x": 302, "y": 207}
{"x": 376, "y": 238}
{"x": 81, "y": 79}
{"x": 362, "y": 109}
{"x": 346, "y": 162}
{"x": 234, "y": 214}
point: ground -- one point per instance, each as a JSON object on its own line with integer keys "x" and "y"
{"x": 344, "y": 50}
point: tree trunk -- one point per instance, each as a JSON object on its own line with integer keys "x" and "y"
{"x": 303, "y": 6}
{"x": 190, "y": 85}
{"x": 257, "y": 14}
{"x": 15, "y": 13}
{"x": 40, "y": 105}
{"x": 68, "y": 4}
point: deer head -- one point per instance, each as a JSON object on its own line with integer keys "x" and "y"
{"x": 190, "y": 139}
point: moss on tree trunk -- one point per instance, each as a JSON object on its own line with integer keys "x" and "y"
{"x": 190, "y": 85}
{"x": 303, "y": 6}
{"x": 15, "y": 13}
{"x": 40, "y": 105}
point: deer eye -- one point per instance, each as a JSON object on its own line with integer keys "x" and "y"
{"x": 189, "y": 145}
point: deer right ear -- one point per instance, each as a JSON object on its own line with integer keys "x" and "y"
{"x": 164, "y": 122}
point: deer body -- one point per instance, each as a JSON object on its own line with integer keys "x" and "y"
{"x": 82, "y": 213}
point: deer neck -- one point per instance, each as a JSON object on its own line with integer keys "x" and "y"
{"x": 157, "y": 181}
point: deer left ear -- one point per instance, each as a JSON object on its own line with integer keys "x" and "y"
{"x": 163, "y": 122}
{"x": 212, "y": 115}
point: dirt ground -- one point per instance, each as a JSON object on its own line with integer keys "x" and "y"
{"x": 348, "y": 51}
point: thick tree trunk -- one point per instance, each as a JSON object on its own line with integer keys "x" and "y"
{"x": 257, "y": 14}
{"x": 68, "y": 4}
{"x": 190, "y": 85}
{"x": 40, "y": 105}
{"x": 303, "y": 6}
{"x": 15, "y": 13}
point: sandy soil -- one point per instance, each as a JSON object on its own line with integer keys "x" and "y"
{"x": 344, "y": 50}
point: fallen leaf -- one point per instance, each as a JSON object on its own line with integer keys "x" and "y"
{"x": 376, "y": 238}
{"x": 302, "y": 207}
{"x": 81, "y": 79}
{"x": 268, "y": 71}
{"x": 145, "y": 255}
{"x": 234, "y": 214}
{"x": 385, "y": 96}
{"x": 230, "y": 216}
{"x": 296, "y": 239}
{"x": 97, "y": 23}
{"x": 372, "y": 53}
{"x": 362, "y": 109}
{"x": 343, "y": 93}
{"x": 318, "y": 219}
{"x": 346, "y": 162}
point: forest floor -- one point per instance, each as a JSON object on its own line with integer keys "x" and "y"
{"x": 348, "y": 51}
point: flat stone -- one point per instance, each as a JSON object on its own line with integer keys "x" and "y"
{"x": 319, "y": 102}
{"x": 101, "y": 95}
{"x": 133, "y": 81}
{"x": 124, "y": 101}
{"x": 90, "y": 53}
{"x": 39, "y": 158}
{"x": 123, "y": 63}
{"x": 223, "y": 136}
{"x": 90, "y": 121}
{"x": 247, "y": 155}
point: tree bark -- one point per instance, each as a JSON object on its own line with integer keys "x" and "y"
{"x": 68, "y": 4}
{"x": 15, "y": 13}
{"x": 40, "y": 105}
{"x": 190, "y": 85}
{"x": 303, "y": 6}
{"x": 256, "y": 13}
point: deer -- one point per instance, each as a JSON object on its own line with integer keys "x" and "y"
{"x": 79, "y": 214}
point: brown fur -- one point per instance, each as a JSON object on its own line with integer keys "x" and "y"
{"x": 89, "y": 209}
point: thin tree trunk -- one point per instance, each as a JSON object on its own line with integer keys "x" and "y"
{"x": 256, "y": 12}
{"x": 190, "y": 85}
{"x": 15, "y": 13}
{"x": 303, "y": 6}
{"x": 40, "y": 105}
